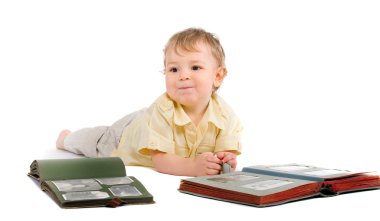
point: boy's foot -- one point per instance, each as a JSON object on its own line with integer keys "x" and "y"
{"x": 61, "y": 137}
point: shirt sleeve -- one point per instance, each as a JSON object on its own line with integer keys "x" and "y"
{"x": 229, "y": 138}
{"x": 157, "y": 133}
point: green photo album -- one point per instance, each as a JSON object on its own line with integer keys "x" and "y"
{"x": 88, "y": 182}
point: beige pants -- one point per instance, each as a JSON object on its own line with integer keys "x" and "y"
{"x": 99, "y": 141}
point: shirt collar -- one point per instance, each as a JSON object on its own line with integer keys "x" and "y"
{"x": 213, "y": 114}
{"x": 180, "y": 116}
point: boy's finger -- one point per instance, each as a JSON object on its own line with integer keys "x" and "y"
{"x": 213, "y": 159}
{"x": 220, "y": 155}
{"x": 228, "y": 157}
{"x": 212, "y": 172}
{"x": 214, "y": 166}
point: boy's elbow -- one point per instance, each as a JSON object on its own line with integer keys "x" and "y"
{"x": 169, "y": 164}
{"x": 158, "y": 160}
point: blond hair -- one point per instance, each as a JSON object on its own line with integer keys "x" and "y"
{"x": 188, "y": 39}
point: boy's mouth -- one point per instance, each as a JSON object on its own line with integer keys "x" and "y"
{"x": 185, "y": 87}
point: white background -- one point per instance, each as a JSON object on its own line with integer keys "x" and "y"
{"x": 303, "y": 76}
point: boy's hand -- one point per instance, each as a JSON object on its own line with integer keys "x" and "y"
{"x": 207, "y": 164}
{"x": 228, "y": 157}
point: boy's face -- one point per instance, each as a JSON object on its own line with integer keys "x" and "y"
{"x": 192, "y": 76}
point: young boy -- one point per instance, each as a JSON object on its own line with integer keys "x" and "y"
{"x": 188, "y": 131}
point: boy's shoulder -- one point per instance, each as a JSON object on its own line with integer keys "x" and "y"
{"x": 164, "y": 102}
{"x": 163, "y": 105}
{"x": 222, "y": 111}
{"x": 220, "y": 103}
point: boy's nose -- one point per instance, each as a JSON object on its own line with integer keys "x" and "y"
{"x": 184, "y": 75}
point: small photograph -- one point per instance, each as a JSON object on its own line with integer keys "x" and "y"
{"x": 267, "y": 184}
{"x": 87, "y": 195}
{"x": 76, "y": 185}
{"x": 233, "y": 178}
{"x": 125, "y": 190}
{"x": 323, "y": 173}
{"x": 290, "y": 168}
{"x": 115, "y": 180}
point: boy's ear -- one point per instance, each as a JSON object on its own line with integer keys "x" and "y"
{"x": 221, "y": 73}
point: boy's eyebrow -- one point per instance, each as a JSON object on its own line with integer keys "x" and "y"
{"x": 171, "y": 63}
{"x": 197, "y": 61}
{"x": 191, "y": 61}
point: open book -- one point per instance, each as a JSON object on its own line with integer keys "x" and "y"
{"x": 277, "y": 184}
{"x": 88, "y": 182}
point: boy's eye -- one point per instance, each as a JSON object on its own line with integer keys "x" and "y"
{"x": 195, "y": 68}
{"x": 173, "y": 70}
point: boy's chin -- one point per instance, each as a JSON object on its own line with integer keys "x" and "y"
{"x": 188, "y": 101}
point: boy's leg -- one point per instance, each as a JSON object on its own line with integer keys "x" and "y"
{"x": 98, "y": 141}
{"x": 111, "y": 137}
{"x": 61, "y": 137}
{"x": 84, "y": 141}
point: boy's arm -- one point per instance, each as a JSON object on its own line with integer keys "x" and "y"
{"x": 203, "y": 164}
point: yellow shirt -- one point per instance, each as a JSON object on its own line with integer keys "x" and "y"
{"x": 167, "y": 128}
